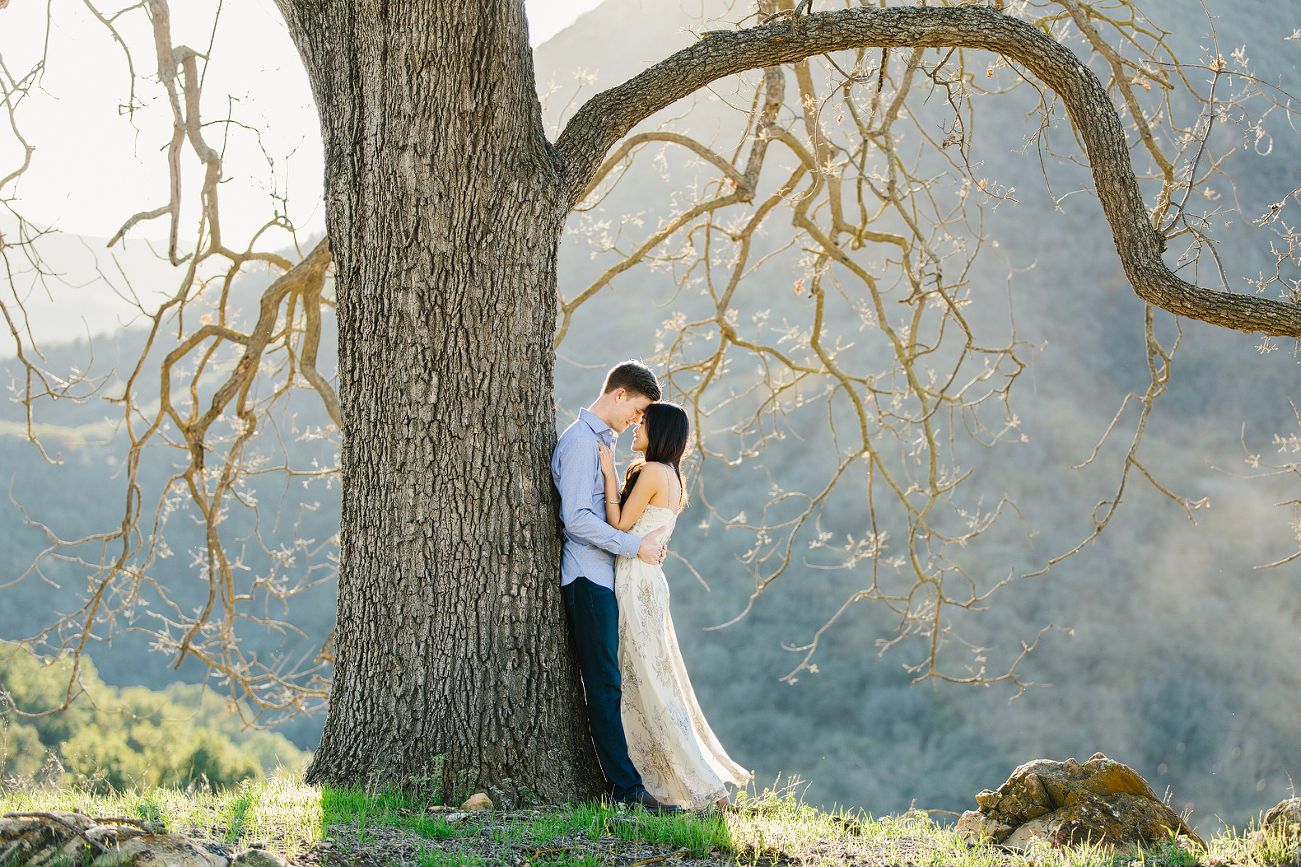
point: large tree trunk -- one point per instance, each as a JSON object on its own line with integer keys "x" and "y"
{"x": 453, "y": 663}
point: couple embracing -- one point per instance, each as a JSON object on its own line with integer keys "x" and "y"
{"x": 654, "y": 745}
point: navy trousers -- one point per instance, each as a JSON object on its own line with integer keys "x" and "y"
{"x": 594, "y": 616}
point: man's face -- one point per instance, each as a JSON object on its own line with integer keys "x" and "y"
{"x": 628, "y": 410}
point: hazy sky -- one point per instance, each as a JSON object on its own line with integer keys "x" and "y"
{"x": 93, "y": 168}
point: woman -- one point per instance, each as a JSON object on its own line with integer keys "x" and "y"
{"x": 671, "y": 745}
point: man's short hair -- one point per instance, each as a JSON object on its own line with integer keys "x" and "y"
{"x": 633, "y": 377}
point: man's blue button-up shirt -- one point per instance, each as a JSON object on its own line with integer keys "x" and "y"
{"x": 591, "y": 543}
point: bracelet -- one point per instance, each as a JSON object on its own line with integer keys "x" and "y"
{"x": 612, "y": 502}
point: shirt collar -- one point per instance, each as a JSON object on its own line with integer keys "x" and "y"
{"x": 593, "y": 421}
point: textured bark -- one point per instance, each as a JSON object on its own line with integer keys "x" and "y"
{"x": 452, "y": 657}
{"x": 445, "y": 205}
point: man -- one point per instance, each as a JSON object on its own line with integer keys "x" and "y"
{"x": 587, "y": 565}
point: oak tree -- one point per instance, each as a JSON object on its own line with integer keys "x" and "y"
{"x": 446, "y": 201}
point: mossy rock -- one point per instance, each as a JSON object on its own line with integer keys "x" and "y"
{"x": 1067, "y": 803}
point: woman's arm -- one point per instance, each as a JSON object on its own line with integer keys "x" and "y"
{"x": 649, "y": 483}
{"x": 611, "y": 484}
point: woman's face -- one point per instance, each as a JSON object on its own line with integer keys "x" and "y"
{"x": 639, "y": 437}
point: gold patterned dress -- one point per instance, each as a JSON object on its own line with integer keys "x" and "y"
{"x": 679, "y": 758}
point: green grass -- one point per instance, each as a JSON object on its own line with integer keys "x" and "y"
{"x": 438, "y": 858}
{"x": 293, "y": 819}
{"x": 283, "y": 814}
{"x": 535, "y": 828}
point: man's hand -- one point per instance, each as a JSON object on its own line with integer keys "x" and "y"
{"x": 651, "y": 551}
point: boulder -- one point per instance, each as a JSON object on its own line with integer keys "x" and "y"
{"x": 1284, "y": 817}
{"x": 45, "y": 838}
{"x": 974, "y": 825}
{"x": 1025, "y": 836}
{"x": 41, "y": 839}
{"x": 160, "y": 850}
{"x": 259, "y": 858}
{"x": 478, "y": 801}
{"x": 1068, "y": 803}
{"x": 111, "y": 834}
{"x": 1281, "y": 827}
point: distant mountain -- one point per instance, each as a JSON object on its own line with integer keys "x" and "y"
{"x": 79, "y": 288}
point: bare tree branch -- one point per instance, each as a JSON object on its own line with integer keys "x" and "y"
{"x": 608, "y": 116}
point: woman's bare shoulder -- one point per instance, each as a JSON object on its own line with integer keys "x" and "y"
{"x": 662, "y": 471}
{"x": 650, "y": 476}
{"x": 667, "y": 482}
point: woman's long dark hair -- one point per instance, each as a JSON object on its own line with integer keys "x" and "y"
{"x": 667, "y": 433}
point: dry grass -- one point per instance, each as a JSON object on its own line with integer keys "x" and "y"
{"x": 314, "y": 827}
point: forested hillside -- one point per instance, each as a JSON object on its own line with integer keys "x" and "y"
{"x": 113, "y": 740}
{"x": 1176, "y": 655}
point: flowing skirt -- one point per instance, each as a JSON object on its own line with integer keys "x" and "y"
{"x": 679, "y": 758}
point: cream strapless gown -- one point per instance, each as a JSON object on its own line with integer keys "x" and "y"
{"x": 679, "y": 758}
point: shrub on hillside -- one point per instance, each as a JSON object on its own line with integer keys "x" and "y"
{"x": 117, "y": 739}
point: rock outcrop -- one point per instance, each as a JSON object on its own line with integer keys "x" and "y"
{"x": 1281, "y": 829}
{"x": 1068, "y": 803}
{"x": 40, "y": 839}
{"x": 1284, "y": 818}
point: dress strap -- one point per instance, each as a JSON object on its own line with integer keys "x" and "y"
{"x": 676, "y": 485}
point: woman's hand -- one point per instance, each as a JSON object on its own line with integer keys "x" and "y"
{"x": 607, "y": 460}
